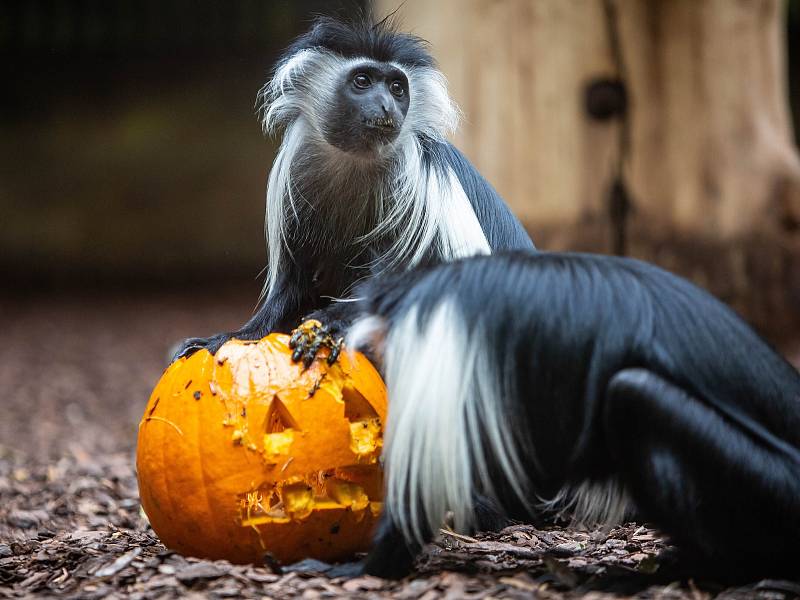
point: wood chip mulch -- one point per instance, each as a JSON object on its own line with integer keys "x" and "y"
{"x": 74, "y": 529}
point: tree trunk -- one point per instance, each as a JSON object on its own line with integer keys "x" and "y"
{"x": 713, "y": 166}
{"x": 706, "y": 175}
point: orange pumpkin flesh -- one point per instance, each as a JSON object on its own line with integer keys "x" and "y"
{"x": 246, "y": 453}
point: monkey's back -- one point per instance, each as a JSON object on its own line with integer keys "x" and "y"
{"x": 561, "y": 325}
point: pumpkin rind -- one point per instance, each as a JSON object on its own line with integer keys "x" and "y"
{"x": 246, "y": 453}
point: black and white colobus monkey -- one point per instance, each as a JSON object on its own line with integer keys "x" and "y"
{"x": 364, "y": 181}
{"x": 584, "y": 384}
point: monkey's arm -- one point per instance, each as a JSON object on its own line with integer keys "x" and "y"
{"x": 502, "y": 229}
{"x": 279, "y": 312}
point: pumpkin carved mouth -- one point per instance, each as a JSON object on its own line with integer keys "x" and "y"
{"x": 247, "y": 452}
{"x": 328, "y": 490}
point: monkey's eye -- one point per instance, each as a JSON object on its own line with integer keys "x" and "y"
{"x": 362, "y": 81}
{"x": 397, "y": 88}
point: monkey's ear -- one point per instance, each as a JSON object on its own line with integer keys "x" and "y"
{"x": 367, "y": 333}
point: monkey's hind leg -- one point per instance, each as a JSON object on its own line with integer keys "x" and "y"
{"x": 725, "y": 490}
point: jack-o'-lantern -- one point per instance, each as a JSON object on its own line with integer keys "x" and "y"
{"x": 245, "y": 453}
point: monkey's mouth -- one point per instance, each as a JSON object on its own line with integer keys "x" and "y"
{"x": 383, "y": 123}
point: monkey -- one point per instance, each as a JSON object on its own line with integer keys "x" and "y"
{"x": 364, "y": 182}
{"x": 586, "y": 385}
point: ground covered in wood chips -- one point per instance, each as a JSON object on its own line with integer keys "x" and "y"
{"x": 75, "y": 373}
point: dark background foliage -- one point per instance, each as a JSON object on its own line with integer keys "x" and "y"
{"x": 130, "y": 150}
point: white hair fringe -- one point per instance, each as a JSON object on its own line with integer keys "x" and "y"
{"x": 446, "y": 424}
{"x": 445, "y": 395}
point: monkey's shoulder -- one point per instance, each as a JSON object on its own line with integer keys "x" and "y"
{"x": 502, "y": 228}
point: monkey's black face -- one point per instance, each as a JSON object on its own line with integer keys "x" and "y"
{"x": 371, "y": 104}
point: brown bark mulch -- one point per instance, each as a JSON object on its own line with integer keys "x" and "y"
{"x": 76, "y": 373}
{"x": 73, "y": 528}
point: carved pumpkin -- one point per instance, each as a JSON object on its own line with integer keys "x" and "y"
{"x": 246, "y": 453}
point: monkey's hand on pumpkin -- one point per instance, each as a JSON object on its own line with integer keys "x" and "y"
{"x": 310, "y": 337}
{"x": 191, "y": 345}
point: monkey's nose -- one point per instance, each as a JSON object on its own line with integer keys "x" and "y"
{"x": 387, "y": 104}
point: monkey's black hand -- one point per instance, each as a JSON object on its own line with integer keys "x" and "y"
{"x": 346, "y": 570}
{"x": 191, "y": 345}
{"x": 308, "y": 339}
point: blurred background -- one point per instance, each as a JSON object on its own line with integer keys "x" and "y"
{"x": 133, "y": 168}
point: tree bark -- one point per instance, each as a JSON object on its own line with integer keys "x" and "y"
{"x": 713, "y": 166}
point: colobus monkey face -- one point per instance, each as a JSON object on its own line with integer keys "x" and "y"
{"x": 370, "y": 106}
